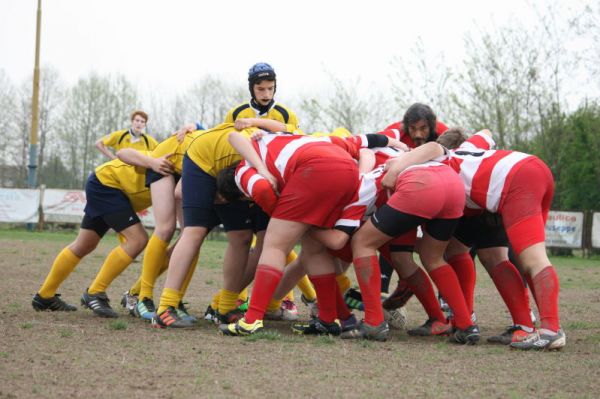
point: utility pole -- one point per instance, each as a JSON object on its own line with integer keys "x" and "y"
{"x": 33, "y": 137}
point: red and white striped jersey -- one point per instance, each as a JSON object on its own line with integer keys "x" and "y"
{"x": 486, "y": 173}
{"x": 280, "y": 153}
{"x": 396, "y": 131}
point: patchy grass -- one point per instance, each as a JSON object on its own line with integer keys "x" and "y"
{"x": 41, "y": 348}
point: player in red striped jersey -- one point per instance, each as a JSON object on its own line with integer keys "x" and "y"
{"x": 316, "y": 180}
{"x": 520, "y": 188}
{"x": 419, "y": 125}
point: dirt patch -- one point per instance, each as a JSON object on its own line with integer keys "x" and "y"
{"x": 78, "y": 355}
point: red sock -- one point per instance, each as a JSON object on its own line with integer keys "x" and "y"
{"x": 420, "y": 284}
{"x": 402, "y": 293}
{"x": 325, "y": 287}
{"x": 464, "y": 267}
{"x": 447, "y": 283}
{"x": 546, "y": 289}
{"x": 510, "y": 285}
{"x": 368, "y": 275}
{"x": 265, "y": 281}
{"x": 532, "y": 289}
{"x": 343, "y": 313}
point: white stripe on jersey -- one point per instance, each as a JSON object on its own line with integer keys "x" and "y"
{"x": 238, "y": 178}
{"x": 364, "y": 143}
{"x": 469, "y": 165}
{"x": 396, "y": 133}
{"x": 252, "y": 181}
{"x": 423, "y": 165}
{"x": 348, "y": 223}
{"x": 290, "y": 149}
{"x": 367, "y": 195}
{"x": 498, "y": 178}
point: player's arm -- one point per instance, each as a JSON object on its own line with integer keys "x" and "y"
{"x": 262, "y": 123}
{"x": 253, "y": 185}
{"x": 104, "y": 149}
{"x": 244, "y": 147}
{"x": 366, "y": 161}
{"x": 424, "y": 153}
{"x": 160, "y": 165}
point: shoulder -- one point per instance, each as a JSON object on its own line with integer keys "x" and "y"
{"x": 235, "y": 111}
{"x": 287, "y": 114}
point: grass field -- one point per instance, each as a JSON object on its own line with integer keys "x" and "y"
{"x": 51, "y": 355}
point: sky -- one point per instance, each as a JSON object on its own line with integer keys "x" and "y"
{"x": 167, "y": 46}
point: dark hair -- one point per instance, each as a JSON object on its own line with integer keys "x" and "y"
{"x": 260, "y": 72}
{"x": 418, "y": 112}
{"x": 452, "y": 138}
{"x": 226, "y": 185}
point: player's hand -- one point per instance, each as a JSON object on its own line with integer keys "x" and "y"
{"x": 185, "y": 129}
{"x": 243, "y": 123}
{"x": 397, "y": 144}
{"x": 257, "y": 135}
{"x": 162, "y": 165}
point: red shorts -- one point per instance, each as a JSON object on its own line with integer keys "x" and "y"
{"x": 434, "y": 192}
{"x": 317, "y": 192}
{"x": 526, "y": 203}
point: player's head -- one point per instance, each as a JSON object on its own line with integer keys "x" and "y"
{"x": 419, "y": 122}
{"x": 226, "y": 185}
{"x": 262, "y": 83}
{"x": 138, "y": 121}
{"x": 452, "y": 138}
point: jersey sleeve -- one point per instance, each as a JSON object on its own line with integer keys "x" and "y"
{"x": 111, "y": 139}
{"x": 293, "y": 120}
{"x": 152, "y": 143}
{"x": 253, "y": 185}
{"x": 229, "y": 116}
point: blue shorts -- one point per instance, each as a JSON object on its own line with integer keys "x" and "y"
{"x": 102, "y": 200}
{"x": 152, "y": 176}
{"x": 199, "y": 210}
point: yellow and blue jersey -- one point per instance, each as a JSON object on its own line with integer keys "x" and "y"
{"x": 276, "y": 112}
{"x": 128, "y": 179}
{"x": 125, "y": 139}
{"x": 177, "y": 149}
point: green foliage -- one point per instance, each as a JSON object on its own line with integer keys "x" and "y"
{"x": 118, "y": 325}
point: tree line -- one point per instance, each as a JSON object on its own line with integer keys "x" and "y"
{"x": 515, "y": 79}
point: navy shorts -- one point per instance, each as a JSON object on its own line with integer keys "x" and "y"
{"x": 102, "y": 200}
{"x": 199, "y": 190}
{"x": 242, "y": 215}
{"x": 117, "y": 221}
{"x": 152, "y": 176}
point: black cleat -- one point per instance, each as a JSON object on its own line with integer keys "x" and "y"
{"x": 468, "y": 336}
{"x": 98, "y": 303}
{"x": 317, "y": 327}
{"x": 365, "y": 331}
{"x": 54, "y": 304}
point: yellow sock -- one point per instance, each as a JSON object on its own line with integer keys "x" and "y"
{"x": 291, "y": 257}
{"x": 289, "y": 296}
{"x": 243, "y": 296}
{"x": 189, "y": 275}
{"x": 306, "y": 287}
{"x": 136, "y": 287}
{"x": 343, "y": 282}
{"x": 228, "y": 301}
{"x": 116, "y": 261}
{"x": 169, "y": 297}
{"x": 274, "y": 305}
{"x": 64, "y": 263}
{"x": 154, "y": 259}
{"x": 215, "y": 300}
{"x": 122, "y": 239}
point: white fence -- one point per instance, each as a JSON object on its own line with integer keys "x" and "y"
{"x": 57, "y": 206}
{"x": 564, "y": 229}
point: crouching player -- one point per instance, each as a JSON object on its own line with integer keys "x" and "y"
{"x": 114, "y": 192}
{"x": 519, "y": 187}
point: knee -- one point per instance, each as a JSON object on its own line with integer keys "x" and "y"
{"x": 165, "y": 233}
{"x": 82, "y": 249}
{"x": 431, "y": 259}
{"x": 240, "y": 239}
{"x": 137, "y": 243}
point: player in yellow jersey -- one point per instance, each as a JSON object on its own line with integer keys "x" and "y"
{"x": 128, "y": 138}
{"x": 262, "y": 83}
{"x": 166, "y": 209}
{"x": 114, "y": 192}
{"x": 207, "y": 155}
